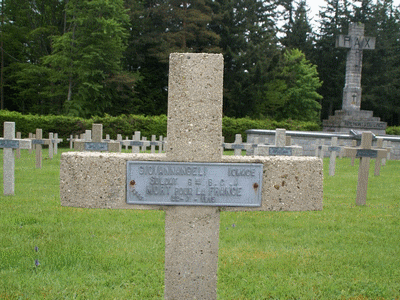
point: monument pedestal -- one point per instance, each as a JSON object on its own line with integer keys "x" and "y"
{"x": 360, "y": 120}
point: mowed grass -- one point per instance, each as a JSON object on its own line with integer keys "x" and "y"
{"x": 343, "y": 252}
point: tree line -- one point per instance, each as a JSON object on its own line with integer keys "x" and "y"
{"x": 91, "y": 57}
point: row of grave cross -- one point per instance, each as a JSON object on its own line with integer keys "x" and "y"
{"x": 92, "y": 141}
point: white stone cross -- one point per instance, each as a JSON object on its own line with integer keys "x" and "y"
{"x": 94, "y": 141}
{"x": 38, "y": 141}
{"x": 335, "y": 150}
{"x": 365, "y": 153}
{"x": 382, "y": 160}
{"x": 238, "y": 145}
{"x": 136, "y": 143}
{"x": 195, "y": 93}
{"x": 8, "y": 143}
{"x": 280, "y": 147}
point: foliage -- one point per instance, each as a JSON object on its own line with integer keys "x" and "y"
{"x": 94, "y": 57}
{"x": 126, "y": 125}
{"x": 297, "y": 85}
{"x": 393, "y": 130}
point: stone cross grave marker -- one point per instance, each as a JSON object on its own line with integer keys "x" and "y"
{"x": 38, "y": 141}
{"x": 387, "y": 145}
{"x": 380, "y": 161}
{"x": 365, "y": 153}
{"x": 56, "y": 141}
{"x": 334, "y": 149}
{"x": 136, "y": 143}
{"x": 18, "y": 150}
{"x": 356, "y": 42}
{"x": 71, "y": 141}
{"x": 192, "y": 182}
{"x": 238, "y": 145}
{"x": 280, "y": 147}
{"x": 8, "y": 143}
{"x": 94, "y": 141}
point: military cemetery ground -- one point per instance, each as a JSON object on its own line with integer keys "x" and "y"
{"x": 344, "y": 251}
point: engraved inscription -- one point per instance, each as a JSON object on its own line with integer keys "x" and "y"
{"x": 92, "y": 146}
{"x": 9, "y": 144}
{"x": 38, "y": 142}
{"x": 280, "y": 151}
{"x": 216, "y": 184}
{"x": 334, "y": 149}
{"x": 366, "y": 153}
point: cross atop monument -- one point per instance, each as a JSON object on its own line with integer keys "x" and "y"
{"x": 356, "y": 42}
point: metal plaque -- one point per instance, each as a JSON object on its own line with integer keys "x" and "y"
{"x": 367, "y": 153}
{"x": 136, "y": 143}
{"x": 93, "y": 146}
{"x": 334, "y": 149}
{"x": 206, "y": 184}
{"x": 237, "y": 146}
{"x": 280, "y": 151}
{"x": 9, "y": 144}
{"x": 38, "y": 142}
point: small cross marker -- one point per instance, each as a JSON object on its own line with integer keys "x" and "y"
{"x": 8, "y": 143}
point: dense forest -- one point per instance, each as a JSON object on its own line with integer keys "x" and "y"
{"x": 91, "y": 57}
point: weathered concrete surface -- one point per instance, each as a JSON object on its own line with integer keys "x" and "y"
{"x": 98, "y": 180}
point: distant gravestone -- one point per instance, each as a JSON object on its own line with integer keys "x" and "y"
{"x": 136, "y": 143}
{"x": 334, "y": 149}
{"x": 280, "y": 148}
{"x": 18, "y": 150}
{"x": 94, "y": 141}
{"x": 38, "y": 141}
{"x": 364, "y": 153}
{"x": 238, "y": 146}
{"x": 8, "y": 143}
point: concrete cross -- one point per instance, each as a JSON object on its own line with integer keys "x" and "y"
{"x": 38, "y": 141}
{"x": 94, "y": 141}
{"x": 365, "y": 153}
{"x": 71, "y": 141}
{"x": 192, "y": 181}
{"x": 334, "y": 149}
{"x": 280, "y": 147}
{"x": 238, "y": 145}
{"x": 356, "y": 42}
{"x": 8, "y": 143}
{"x": 56, "y": 141}
{"x": 154, "y": 143}
{"x": 18, "y": 150}
{"x": 136, "y": 143}
{"x": 382, "y": 160}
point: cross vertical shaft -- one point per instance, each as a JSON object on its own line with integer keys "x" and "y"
{"x": 195, "y": 135}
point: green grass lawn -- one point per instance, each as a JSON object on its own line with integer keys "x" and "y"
{"x": 343, "y": 252}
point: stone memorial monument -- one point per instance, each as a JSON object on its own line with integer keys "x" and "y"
{"x": 351, "y": 116}
{"x": 192, "y": 182}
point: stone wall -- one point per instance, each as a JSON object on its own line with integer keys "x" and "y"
{"x": 308, "y": 140}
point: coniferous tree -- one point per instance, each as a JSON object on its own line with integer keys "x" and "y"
{"x": 28, "y": 28}
{"x": 249, "y": 43}
{"x": 331, "y": 61}
{"x": 298, "y": 33}
{"x": 381, "y": 67}
{"x": 85, "y": 62}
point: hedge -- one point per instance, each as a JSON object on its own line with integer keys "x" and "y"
{"x": 126, "y": 125}
{"x": 393, "y": 130}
